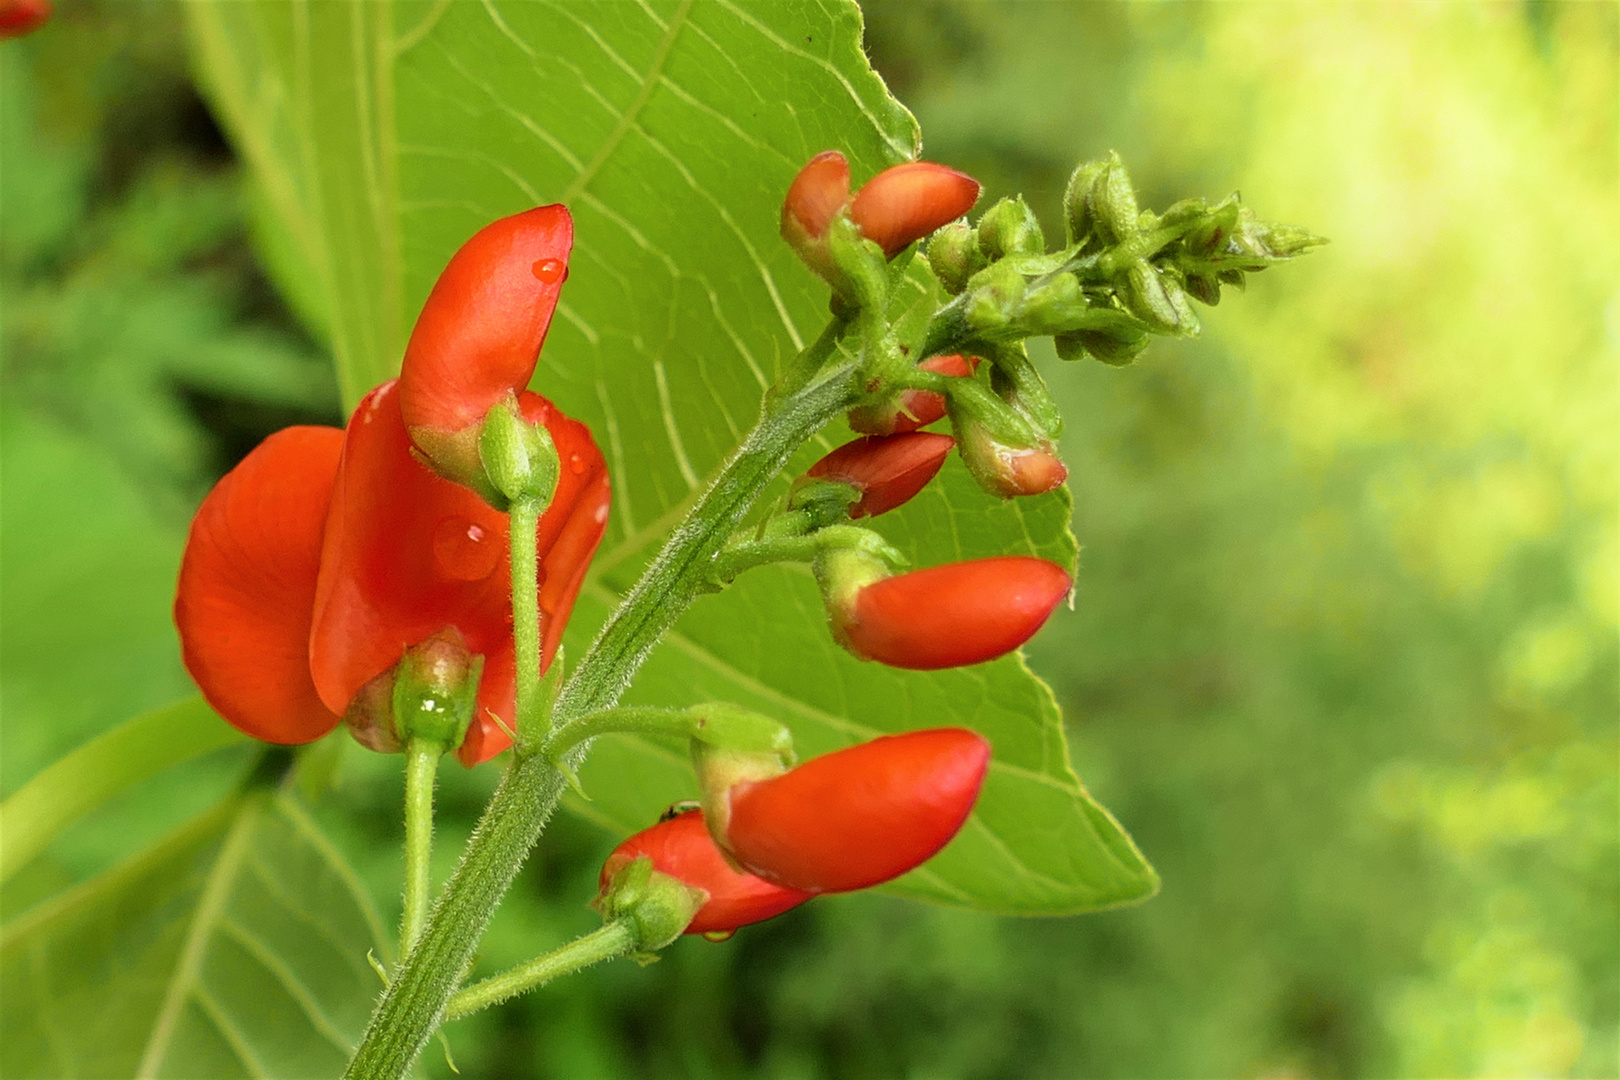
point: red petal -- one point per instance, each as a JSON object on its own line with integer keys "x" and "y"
{"x": 408, "y": 553}
{"x": 19, "y": 17}
{"x": 480, "y": 332}
{"x": 953, "y": 615}
{"x": 817, "y": 194}
{"x": 907, "y": 202}
{"x": 247, "y": 587}
{"x": 917, "y": 408}
{"x": 860, "y": 816}
{"x": 887, "y": 469}
{"x": 683, "y": 849}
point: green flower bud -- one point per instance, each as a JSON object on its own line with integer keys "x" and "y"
{"x": 954, "y": 255}
{"x": 1204, "y": 288}
{"x": 1077, "y": 212}
{"x": 1113, "y": 202}
{"x": 1010, "y": 228}
{"x": 1053, "y": 307}
{"x": 1117, "y": 340}
{"x": 994, "y": 299}
{"x": 1159, "y": 302}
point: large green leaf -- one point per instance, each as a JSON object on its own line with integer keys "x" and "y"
{"x": 384, "y": 135}
{"x": 235, "y": 947}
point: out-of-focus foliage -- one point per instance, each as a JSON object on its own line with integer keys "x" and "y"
{"x": 1344, "y": 656}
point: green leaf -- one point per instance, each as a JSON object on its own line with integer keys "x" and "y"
{"x": 95, "y": 772}
{"x": 385, "y": 135}
{"x": 234, "y": 947}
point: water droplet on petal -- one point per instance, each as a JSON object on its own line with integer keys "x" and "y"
{"x": 718, "y": 935}
{"x": 465, "y": 550}
{"x": 576, "y": 464}
{"x": 551, "y": 271}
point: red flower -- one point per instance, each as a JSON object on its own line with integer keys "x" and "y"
{"x": 886, "y": 470}
{"x": 896, "y": 207}
{"x": 1010, "y": 471}
{"x": 310, "y": 572}
{"x": 682, "y": 848}
{"x": 408, "y": 553}
{"x": 19, "y": 17}
{"x": 247, "y": 587}
{"x": 915, "y": 408}
{"x": 860, "y": 816}
{"x": 948, "y": 616}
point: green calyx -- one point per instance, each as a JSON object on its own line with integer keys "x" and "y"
{"x": 436, "y": 690}
{"x": 657, "y": 907}
{"x": 519, "y": 457}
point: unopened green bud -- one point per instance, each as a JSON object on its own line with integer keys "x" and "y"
{"x": 994, "y": 299}
{"x": 1204, "y": 288}
{"x": 1052, "y": 307}
{"x": 1159, "y": 302}
{"x": 1112, "y": 337}
{"x": 1010, "y": 228}
{"x": 1077, "y": 211}
{"x": 1210, "y": 235}
{"x": 519, "y": 457}
{"x": 954, "y": 255}
{"x": 1113, "y": 201}
{"x": 436, "y": 690}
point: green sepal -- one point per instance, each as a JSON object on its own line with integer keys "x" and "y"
{"x": 436, "y": 690}
{"x": 657, "y": 907}
{"x": 519, "y": 457}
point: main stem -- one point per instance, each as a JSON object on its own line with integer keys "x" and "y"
{"x": 414, "y": 1004}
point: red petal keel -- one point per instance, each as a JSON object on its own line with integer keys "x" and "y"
{"x": 247, "y": 587}
{"x": 480, "y": 332}
{"x": 952, "y": 615}
{"x": 887, "y": 469}
{"x": 907, "y": 202}
{"x": 860, "y": 816}
{"x": 683, "y": 849}
{"x": 817, "y": 193}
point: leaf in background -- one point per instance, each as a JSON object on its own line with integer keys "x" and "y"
{"x": 384, "y": 136}
{"x": 235, "y": 947}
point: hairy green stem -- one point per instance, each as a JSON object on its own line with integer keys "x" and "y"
{"x": 421, "y": 767}
{"x": 611, "y": 940}
{"x": 415, "y": 1002}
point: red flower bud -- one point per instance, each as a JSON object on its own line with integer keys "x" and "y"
{"x": 914, "y": 408}
{"x": 19, "y": 17}
{"x": 907, "y": 202}
{"x": 247, "y": 587}
{"x": 682, "y": 848}
{"x": 480, "y": 332}
{"x": 814, "y": 198}
{"x": 948, "y": 616}
{"x": 860, "y": 816}
{"x": 408, "y": 554}
{"x": 1010, "y": 471}
{"x": 886, "y": 469}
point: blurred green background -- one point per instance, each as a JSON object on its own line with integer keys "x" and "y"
{"x": 1344, "y": 653}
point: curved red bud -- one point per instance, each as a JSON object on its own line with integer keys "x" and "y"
{"x": 408, "y": 554}
{"x": 480, "y": 332}
{"x": 887, "y": 469}
{"x": 682, "y": 848}
{"x": 1010, "y": 471}
{"x": 860, "y": 816}
{"x": 916, "y": 408}
{"x": 813, "y": 199}
{"x": 907, "y": 202}
{"x": 19, "y": 17}
{"x": 247, "y": 587}
{"x": 952, "y": 615}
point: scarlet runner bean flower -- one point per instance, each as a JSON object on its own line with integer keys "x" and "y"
{"x": 323, "y": 558}
{"x": 854, "y": 818}
{"x": 944, "y": 616}
{"x": 899, "y": 205}
{"x": 915, "y": 408}
{"x": 886, "y": 470}
{"x": 682, "y": 849}
{"x": 1009, "y": 471}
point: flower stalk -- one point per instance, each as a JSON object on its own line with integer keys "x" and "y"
{"x": 608, "y": 942}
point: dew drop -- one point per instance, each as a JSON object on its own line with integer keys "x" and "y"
{"x": 464, "y": 550}
{"x": 576, "y": 464}
{"x": 551, "y": 271}
{"x": 718, "y": 935}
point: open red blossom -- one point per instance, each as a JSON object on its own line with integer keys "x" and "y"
{"x": 480, "y": 332}
{"x": 886, "y": 469}
{"x": 682, "y": 848}
{"x": 860, "y": 816}
{"x": 247, "y": 587}
{"x": 952, "y": 615}
{"x": 408, "y": 554}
